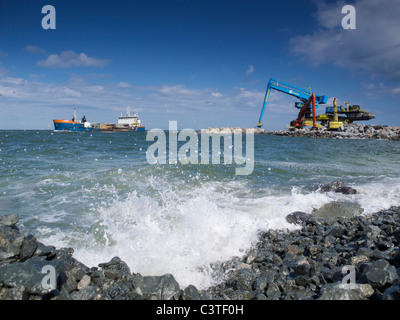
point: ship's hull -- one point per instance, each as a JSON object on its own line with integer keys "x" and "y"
{"x": 115, "y": 127}
{"x": 69, "y": 125}
{"x": 139, "y": 128}
{"x": 73, "y": 126}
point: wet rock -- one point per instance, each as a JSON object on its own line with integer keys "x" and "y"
{"x": 115, "y": 268}
{"x": 191, "y": 293}
{"x": 273, "y": 292}
{"x": 379, "y": 273}
{"x": 9, "y": 220}
{"x": 29, "y": 274}
{"x": 262, "y": 281}
{"x": 333, "y": 186}
{"x": 67, "y": 282}
{"x": 64, "y": 295}
{"x": 339, "y": 291}
{"x": 303, "y": 280}
{"x": 88, "y": 293}
{"x": 314, "y": 250}
{"x": 336, "y": 231}
{"x": 301, "y": 268}
{"x": 346, "y": 190}
{"x": 393, "y": 292}
{"x": 334, "y": 210}
{"x": 84, "y": 282}
{"x": 10, "y": 244}
{"x": 157, "y": 287}
{"x": 294, "y": 249}
{"x": 385, "y": 245}
{"x": 46, "y": 251}
{"x": 240, "y": 295}
{"x": 29, "y": 247}
{"x": 17, "y": 293}
{"x": 298, "y": 217}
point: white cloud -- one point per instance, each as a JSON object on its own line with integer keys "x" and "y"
{"x": 123, "y": 84}
{"x": 373, "y": 47}
{"x": 250, "y": 70}
{"x": 179, "y": 89}
{"x": 208, "y": 106}
{"x": 3, "y": 54}
{"x": 35, "y": 49}
{"x": 69, "y": 58}
{"x": 71, "y": 93}
{"x": 377, "y": 90}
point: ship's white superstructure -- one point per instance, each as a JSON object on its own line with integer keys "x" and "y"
{"x": 130, "y": 119}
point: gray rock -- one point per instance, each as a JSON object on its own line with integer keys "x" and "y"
{"x": 379, "y": 273}
{"x": 273, "y": 292}
{"x": 336, "y": 231}
{"x": 298, "y": 217}
{"x": 115, "y": 268}
{"x": 244, "y": 279}
{"x": 10, "y": 244}
{"x": 334, "y": 210}
{"x": 88, "y": 293}
{"x": 17, "y": 293}
{"x": 29, "y": 247}
{"x": 162, "y": 287}
{"x": 333, "y": 186}
{"x": 191, "y": 293}
{"x": 260, "y": 296}
{"x": 346, "y": 190}
{"x": 29, "y": 274}
{"x": 121, "y": 291}
{"x": 64, "y": 295}
{"x": 67, "y": 282}
{"x": 9, "y": 220}
{"x": 46, "y": 251}
{"x": 315, "y": 250}
{"x": 392, "y": 293}
{"x": 303, "y": 280}
{"x": 84, "y": 282}
{"x": 339, "y": 291}
{"x": 240, "y": 295}
{"x": 302, "y": 269}
{"x": 385, "y": 245}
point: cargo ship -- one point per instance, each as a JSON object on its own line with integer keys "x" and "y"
{"x": 128, "y": 122}
{"x": 74, "y": 125}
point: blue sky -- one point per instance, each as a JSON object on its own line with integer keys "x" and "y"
{"x": 202, "y": 63}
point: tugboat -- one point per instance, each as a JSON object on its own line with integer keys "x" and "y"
{"x": 74, "y": 125}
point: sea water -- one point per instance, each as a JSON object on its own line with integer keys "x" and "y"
{"x": 95, "y": 192}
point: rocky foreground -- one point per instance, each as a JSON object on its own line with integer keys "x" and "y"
{"x": 334, "y": 254}
{"x": 349, "y": 131}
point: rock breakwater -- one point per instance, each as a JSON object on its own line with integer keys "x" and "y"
{"x": 348, "y": 131}
{"x": 308, "y": 263}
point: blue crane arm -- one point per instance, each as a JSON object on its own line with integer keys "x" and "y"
{"x": 301, "y": 94}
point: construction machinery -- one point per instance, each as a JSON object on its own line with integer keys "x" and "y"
{"x": 334, "y": 116}
{"x": 301, "y": 94}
